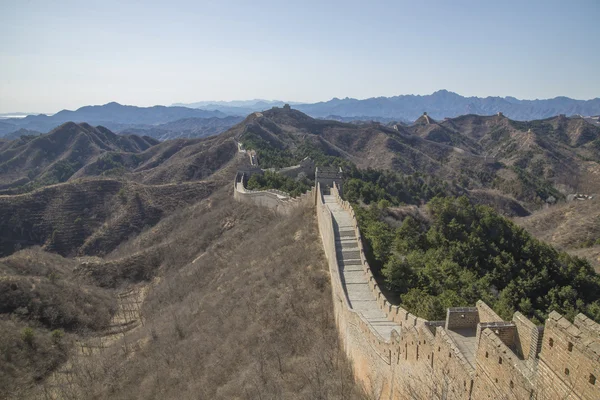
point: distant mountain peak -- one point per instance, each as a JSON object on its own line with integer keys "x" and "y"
{"x": 444, "y": 103}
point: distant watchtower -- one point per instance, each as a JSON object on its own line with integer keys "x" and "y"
{"x": 500, "y": 114}
{"x": 287, "y": 107}
{"x": 326, "y": 176}
{"x": 426, "y": 117}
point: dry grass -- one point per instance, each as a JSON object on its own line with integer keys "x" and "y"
{"x": 568, "y": 226}
{"x": 39, "y": 291}
{"x": 240, "y": 308}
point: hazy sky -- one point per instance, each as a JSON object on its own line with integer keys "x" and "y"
{"x": 66, "y": 54}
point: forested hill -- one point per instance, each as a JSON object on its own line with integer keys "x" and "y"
{"x": 452, "y": 253}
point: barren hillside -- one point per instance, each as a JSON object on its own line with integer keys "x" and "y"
{"x": 55, "y": 157}
{"x": 574, "y": 227}
{"x": 177, "y": 290}
{"x": 228, "y": 313}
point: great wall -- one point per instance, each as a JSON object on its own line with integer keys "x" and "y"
{"x": 472, "y": 354}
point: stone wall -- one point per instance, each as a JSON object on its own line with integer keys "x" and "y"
{"x": 529, "y": 337}
{"x": 569, "y": 362}
{"x": 501, "y": 374}
{"x": 462, "y": 317}
{"x": 513, "y": 359}
{"x": 278, "y": 201}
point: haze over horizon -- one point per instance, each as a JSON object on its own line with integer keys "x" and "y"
{"x": 66, "y": 55}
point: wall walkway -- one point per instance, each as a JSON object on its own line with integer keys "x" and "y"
{"x": 353, "y": 278}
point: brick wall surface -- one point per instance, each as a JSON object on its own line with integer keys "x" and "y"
{"x": 462, "y": 317}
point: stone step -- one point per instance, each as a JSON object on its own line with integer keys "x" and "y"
{"x": 359, "y": 291}
{"x": 348, "y": 254}
{"x": 352, "y": 261}
{"x": 354, "y": 276}
{"x": 352, "y": 267}
{"x": 369, "y": 309}
{"x": 345, "y": 234}
{"x": 360, "y": 296}
{"x": 346, "y": 244}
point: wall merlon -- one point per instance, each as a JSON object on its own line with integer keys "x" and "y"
{"x": 587, "y": 325}
{"x": 505, "y": 331}
{"x": 486, "y": 314}
{"x": 462, "y": 317}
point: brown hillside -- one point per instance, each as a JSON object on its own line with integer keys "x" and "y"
{"x": 233, "y": 322}
{"x": 553, "y": 149}
{"x": 55, "y": 157}
{"x": 90, "y": 216}
{"x": 493, "y": 153}
{"x": 573, "y": 226}
{"x": 40, "y": 292}
{"x": 262, "y": 326}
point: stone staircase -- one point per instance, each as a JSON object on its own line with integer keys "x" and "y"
{"x": 354, "y": 280}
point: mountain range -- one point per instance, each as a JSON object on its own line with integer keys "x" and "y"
{"x": 440, "y": 104}
{"x": 210, "y": 117}
{"x": 443, "y": 103}
{"x": 112, "y": 115}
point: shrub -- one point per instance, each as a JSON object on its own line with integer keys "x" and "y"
{"x": 57, "y": 336}
{"x": 28, "y": 336}
{"x": 273, "y": 180}
{"x": 122, "y": 195}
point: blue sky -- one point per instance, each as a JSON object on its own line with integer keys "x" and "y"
{"x": 66, "y": 54}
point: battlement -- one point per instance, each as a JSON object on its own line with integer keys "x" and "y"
{"x": 462, "y": 317}
{"x": 328, "y": 176}
{"x": 569, "y": 361}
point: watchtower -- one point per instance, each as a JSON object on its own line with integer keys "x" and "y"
{"x": 326, "y": 176}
